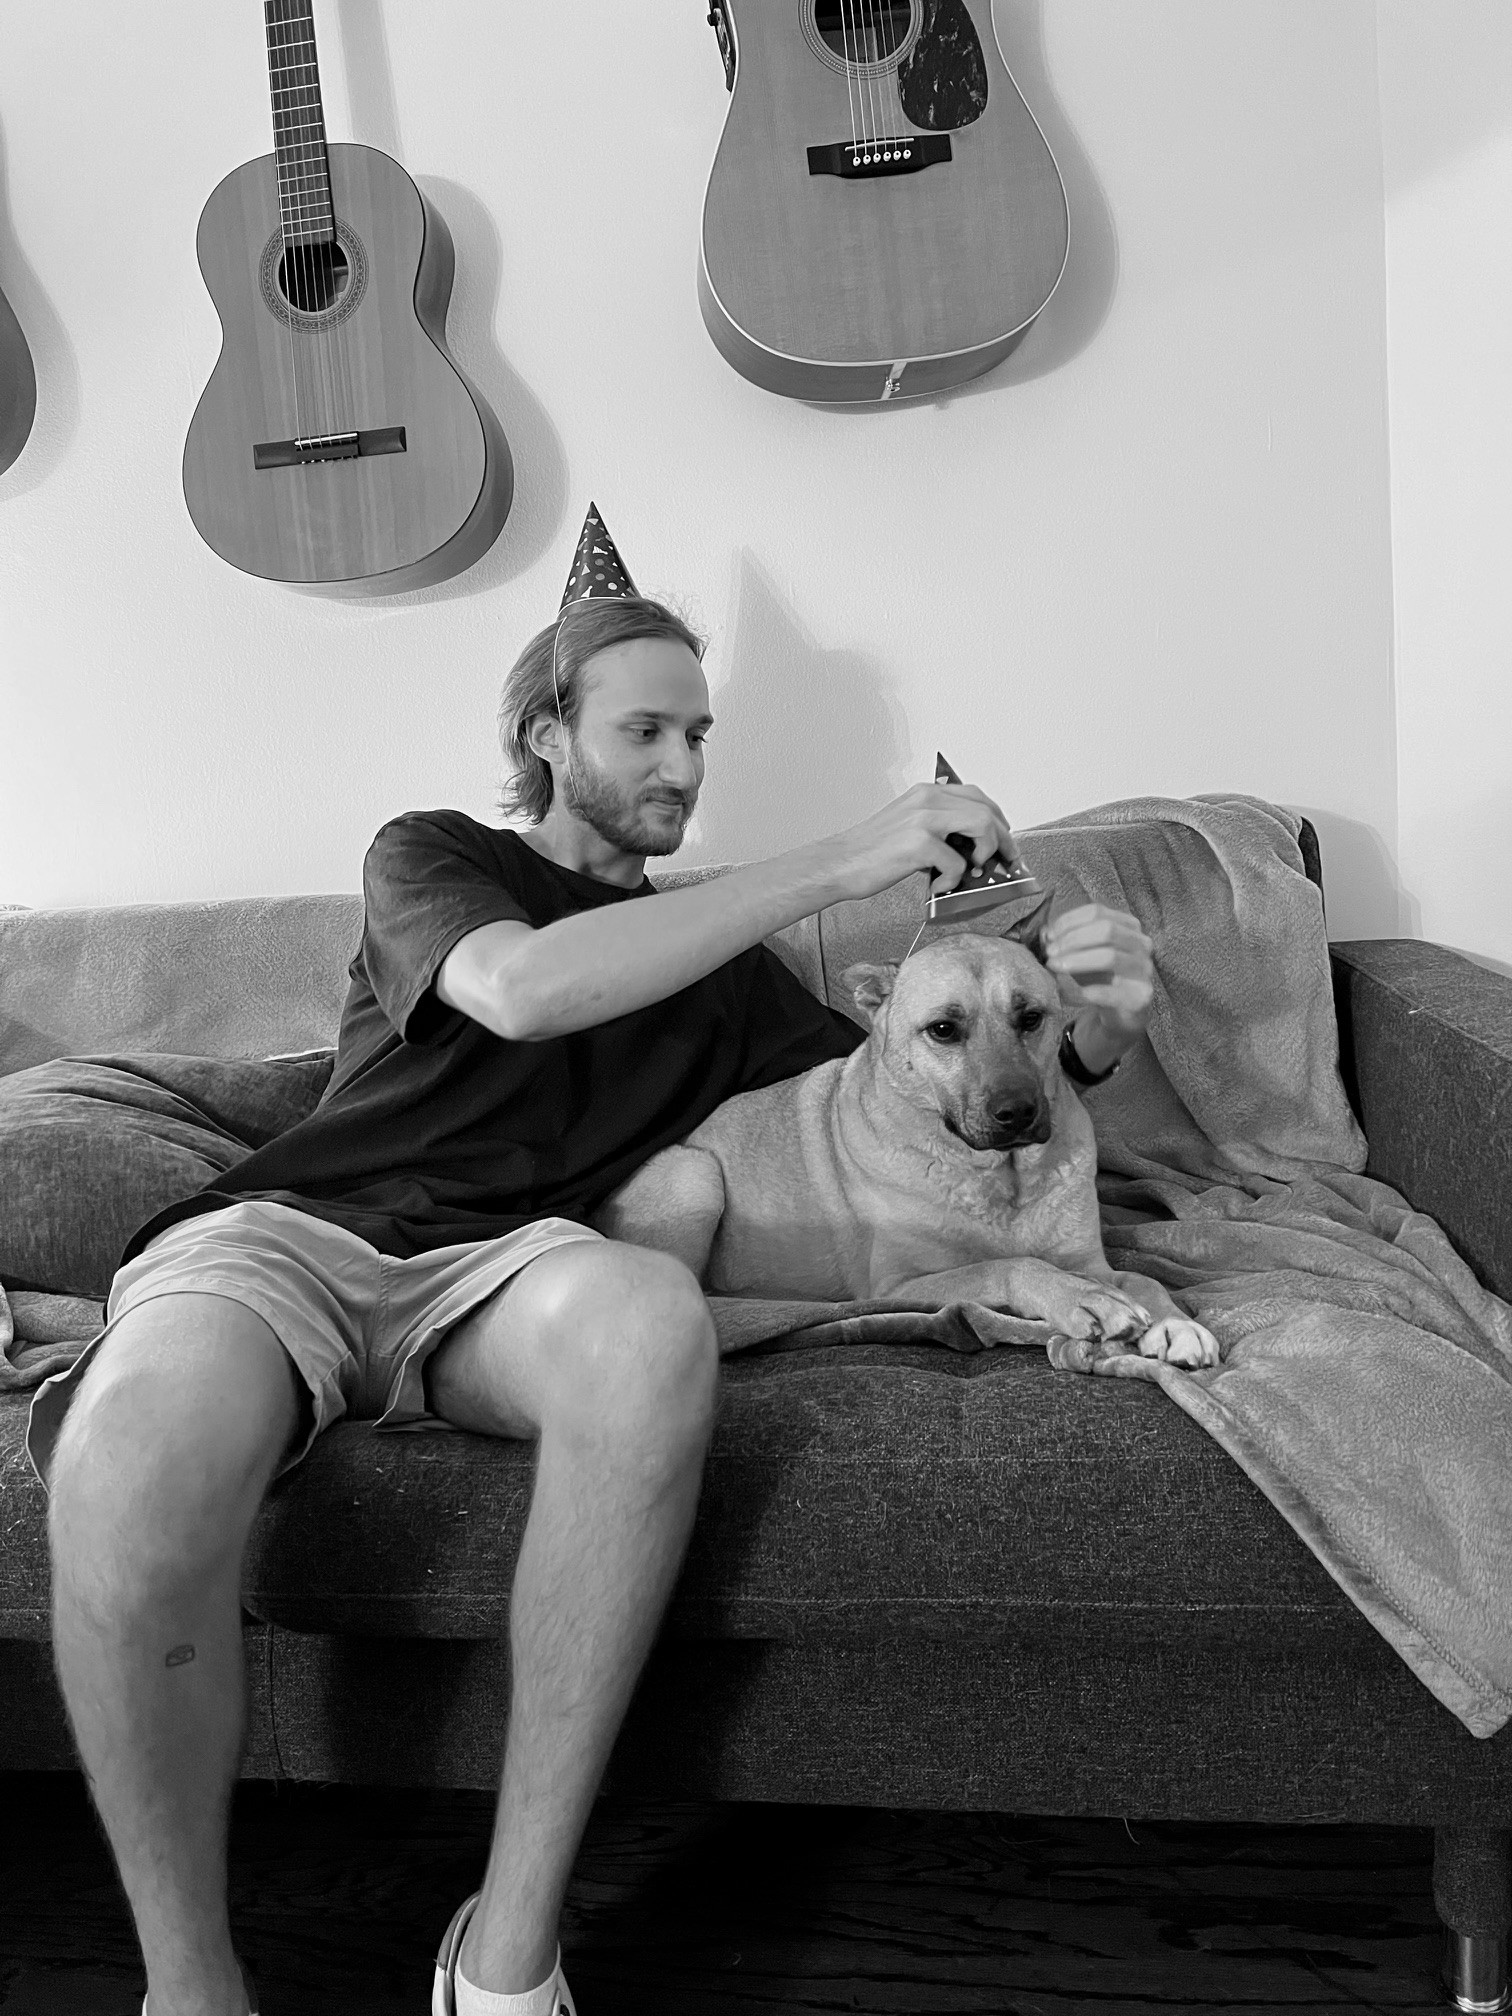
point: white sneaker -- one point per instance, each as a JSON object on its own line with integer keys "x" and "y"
{"x": 444, "y": 1993}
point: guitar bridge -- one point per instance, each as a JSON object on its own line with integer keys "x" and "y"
{"x": 329, "y": 447}
{"x": 891, "y": 154}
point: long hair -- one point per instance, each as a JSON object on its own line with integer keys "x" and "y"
{"x": 548, "y": 676}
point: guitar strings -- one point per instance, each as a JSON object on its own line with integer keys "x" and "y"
{"x": 343, "y": 392}
{"x": 309, "y": 300}
{"x": 858, "y": 61}
{"x": 878, "y": 74}
{"x": 896, "y": 31}
{"x": 859, "y": 33}
{"x": 286, "y": 262}
{"x": 894, "y": 71}
{"x": 302, "y": 261}
{"x": 315, "y": 196}
{"x": 850, "y": 90}
{"x": 871, "y": 41}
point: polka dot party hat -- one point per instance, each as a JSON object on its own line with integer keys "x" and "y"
{"x": 597, "y": 568}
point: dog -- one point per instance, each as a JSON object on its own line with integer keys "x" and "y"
{"x": 947, "y": 1159}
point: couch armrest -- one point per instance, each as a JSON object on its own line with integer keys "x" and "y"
{"x": 1425, "y": 1045}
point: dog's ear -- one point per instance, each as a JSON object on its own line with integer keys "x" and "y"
{"x": 1029, "y": 930}
{"x": 870, "y": 986}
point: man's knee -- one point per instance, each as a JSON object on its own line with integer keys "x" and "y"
{"x": 169, "y": 1442}
{"x": 632, "y": 1346}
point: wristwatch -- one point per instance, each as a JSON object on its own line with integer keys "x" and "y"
{"x": 1073, "y": 1066}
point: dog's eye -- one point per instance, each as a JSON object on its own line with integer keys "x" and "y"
{"x": 943, "y": 1032}
{"x": 1032, "y": 1019}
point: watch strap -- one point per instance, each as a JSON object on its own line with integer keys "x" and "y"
{"x": 1072, "y": 1065}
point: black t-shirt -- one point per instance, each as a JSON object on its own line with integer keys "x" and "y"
{"x": 434, "y": 1131}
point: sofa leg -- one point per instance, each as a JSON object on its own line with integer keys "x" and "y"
{"x": 1475, "y": 1971}
{"x": 1472, "y": 1887}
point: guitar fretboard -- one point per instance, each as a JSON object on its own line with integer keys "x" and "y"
{"x": 299, "y": 141}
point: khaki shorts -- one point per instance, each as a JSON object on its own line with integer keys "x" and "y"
{"x": 358, "y": 1325}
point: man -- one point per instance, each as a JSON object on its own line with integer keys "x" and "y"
{"x": 527, "y": 1022}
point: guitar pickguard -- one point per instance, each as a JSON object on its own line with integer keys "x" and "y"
{"x": 942, "y": 82}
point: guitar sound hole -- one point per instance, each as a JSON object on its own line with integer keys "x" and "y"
{"x": 862, "y": 31}
{"x": 313, "y": 278}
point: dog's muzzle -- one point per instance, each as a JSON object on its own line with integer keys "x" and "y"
{"x": 1018, "y": 1123}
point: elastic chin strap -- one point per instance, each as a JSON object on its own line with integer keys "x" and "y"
{"x": 561, "y": 721}
{"x": 916, "y": 937}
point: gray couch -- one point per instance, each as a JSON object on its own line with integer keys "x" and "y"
{"x": 917, "y": 1579}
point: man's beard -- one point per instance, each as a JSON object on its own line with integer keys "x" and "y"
{"x": 594, "y": 797}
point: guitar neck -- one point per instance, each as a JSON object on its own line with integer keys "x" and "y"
{"x": 299, "y": 139}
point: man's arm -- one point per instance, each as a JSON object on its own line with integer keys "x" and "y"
{"x": 528, "y": 984}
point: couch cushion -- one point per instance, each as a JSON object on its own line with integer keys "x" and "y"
{"x": 852, "y": 1489}
{"x": 863, "y": 1488}
{"x": 90, "y": 1147}
{"x": 244, "y": 978}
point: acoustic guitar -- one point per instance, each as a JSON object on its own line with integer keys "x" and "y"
{"x": 18, "y": 387}
{"x": 337, "y": 444}
{"x": 884, "y": 218}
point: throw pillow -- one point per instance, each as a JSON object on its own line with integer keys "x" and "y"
{"x": 91, "y": 1147}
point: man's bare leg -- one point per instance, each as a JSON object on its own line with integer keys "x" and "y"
{"x": 160, "y": 1467}
{"x": 607, "y": 1352}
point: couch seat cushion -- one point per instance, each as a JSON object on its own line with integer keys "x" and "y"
{"x": 861, "y": 1489}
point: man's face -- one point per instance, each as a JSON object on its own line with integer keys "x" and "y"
{"x": 636, "y": 747}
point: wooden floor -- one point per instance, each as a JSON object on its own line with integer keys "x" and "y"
{"x": 339, "y": 1897}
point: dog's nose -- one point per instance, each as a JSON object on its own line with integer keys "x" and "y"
{"x": 1023, "y": 1120}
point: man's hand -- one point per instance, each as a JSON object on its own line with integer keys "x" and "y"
{"x": 910, "y": 834}
{"x": 1101, "y": 960}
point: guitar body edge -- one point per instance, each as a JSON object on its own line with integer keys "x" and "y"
{"x": 829, "y": 384}
{"x": 371, "y": 525}
{"x": 18, "y": 387}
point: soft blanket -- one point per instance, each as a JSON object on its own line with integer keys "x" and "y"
{"x": 1367, "y": 1381}
{"x": 42, "y": 1334}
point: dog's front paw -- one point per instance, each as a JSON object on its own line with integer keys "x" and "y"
{"x": 1179, "y": 1341}
{"x": 1099, "y": 1315}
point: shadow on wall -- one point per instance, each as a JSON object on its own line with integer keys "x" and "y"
{"x": 804, "y": 741}
{"x": 57, "y": 367}
{"x": 1443, "y": 85}
{"x": 1079, "y": 306}
{"x": 540, "y": 463}
{"x": 1362, "y": 890}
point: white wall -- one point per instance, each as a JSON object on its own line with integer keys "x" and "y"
{"x": 1446, "y": 128}
{"x": 1151, "y": 554}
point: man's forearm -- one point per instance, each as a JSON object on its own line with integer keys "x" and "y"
{"x": 529, "y": 985}
{"x": 601, "y": 963}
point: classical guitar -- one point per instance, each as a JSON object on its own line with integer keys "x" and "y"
{"x": 884, "y": 218}
{"x": 18, "y": 387}
{"x": 337, "y": 444}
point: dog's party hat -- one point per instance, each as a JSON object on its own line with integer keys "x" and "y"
{"x": 996, "y": 881}
{"x": 597, "y": 569}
